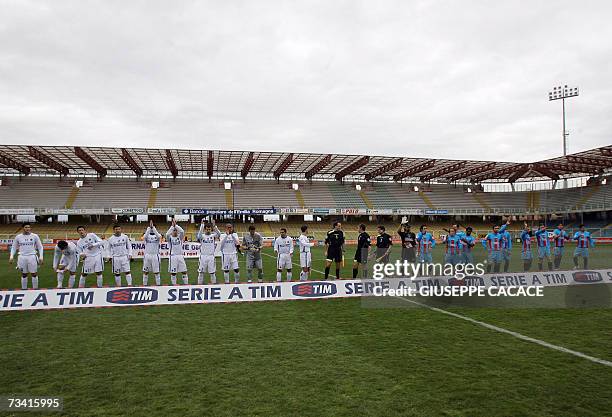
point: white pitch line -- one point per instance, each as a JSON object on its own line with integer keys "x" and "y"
{"x": 515, "y": 334}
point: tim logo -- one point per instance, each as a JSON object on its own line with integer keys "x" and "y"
{"x": 587, "y": 276}
{"x": 314, "y": 289}
{"x": 455, "y": 282}
{"x": 132, "y": 296}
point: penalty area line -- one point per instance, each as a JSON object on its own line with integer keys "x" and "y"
{"x": 513, "y": 333}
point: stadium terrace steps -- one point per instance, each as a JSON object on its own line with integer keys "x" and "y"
{"x": 366, "y": 200}
{"x": 480, "y": 200}
{"x": 71, "y": 197}
{"x": 590, "y": 192}
{"x": 345, "y": 197}
{"x": 229, "y": 200}
{"x": 300, "y": 199}
{"x": 152, "y": 198}
{"x": 427, "y": 200}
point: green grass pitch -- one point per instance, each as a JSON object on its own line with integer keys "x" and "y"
{"x": 308, "y": 358}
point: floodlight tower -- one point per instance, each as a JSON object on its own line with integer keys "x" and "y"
{"x": 561, "y": 93}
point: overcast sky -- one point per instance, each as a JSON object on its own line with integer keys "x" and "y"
{"x": 454, "y": 79}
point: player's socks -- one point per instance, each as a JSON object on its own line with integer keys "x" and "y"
{"x": 337, "y": 273}
{"x": 364, "y": 273}
{"x": 81, "y": 281}
{"x": 118, "y": 280}
{"x": 355, "y": 272}
{"x": 200, "y": 278}
{"x": 145, "y": 280}
{"x": 550, "y": 266}
{"x": 289, "y": 276}
{"x": 185, "y": 279}
{"x": 157, "y": 279}
{"x": 24, "y": 283}
{"x": 100, "y": 280}
{"x": 279, "y": 276}
{"x": 327, "y": 272}
{"x": 213, "y": 278}
{"x": 226, "y": 276}
{"x": 586, "y": 263}
{"x": 575, "y": 261}
{"x": 526, "y": 266}
{"x": 249, "y": 275}
{"x": 35, "y": 282}
{"x": 236, "y": 277}
{"x": 506, "y": 266}
{"x": 60, "y": 280}
{"x": 128, "y": 278}
{"x": 540, "y": 266}
{"x": 173, "y": 279}
{"x": 71, "y": 281}
{"x": 260, "y": 275}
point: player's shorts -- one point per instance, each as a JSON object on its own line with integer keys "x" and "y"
{"x": 468, "y": 257}
{"x": 452, "y": 259}
{"x": 176, "y": 264}
{"x": 305, "y": 259}
{"x": 361, "y": 256}
{"x": 334, "y": 255}
{"x": 425, "y": 258}
{"x": 120, "y": 264}
{"x": 27, "y": 264}
{"x": 93, "y": 264}
{"x": 526, "y": 255}
{"x": 151, "y": 263}
{"x": 283, "y": 261}
{"x": 208, "y": 264}
{"x": 558, "y": 250}
{"x": 543, "y": 252}
{"x": 381, "y": 257}
{"x": 69, "y": 263}
{"x": 495, "y": 256}
{"x": 229, "y": 261}
{"x": 506, "y": 254}
{"x": 408, "y": 254}
{"x": 584, "y": 252}
{"x": 254, "y": 263}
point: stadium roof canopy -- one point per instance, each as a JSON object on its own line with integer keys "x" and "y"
{"x": 167, "y": 163}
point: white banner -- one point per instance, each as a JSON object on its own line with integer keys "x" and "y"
{"x": 202, "y": 294}
{"x": 129, "y": 210}
{"x": 72, "y": 211}
{"x": 161, "y": 210}
{"x": 16, "y": 211}
{"x": 190, "y": 249}
{"x": 380, "y": 211}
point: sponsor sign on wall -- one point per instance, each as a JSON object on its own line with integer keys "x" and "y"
{"x": 128, "y": 210}
{"x": 16, "y": 211}
{"x": 223, "y": 212}
{"x": 161, "y": 210}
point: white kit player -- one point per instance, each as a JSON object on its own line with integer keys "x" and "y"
{"x": 229, "y": 242}
{"x": 65, "y": 258}
{"x": 206, "y": 236}
{"x": 30, "y": 250}
{"x": 120, "y": 254}
{"x": 90, "y": 250}
{"x": 151, "y": 261}
{"x": 305, "y": 254}
{"x": 176, "y": 260}
{"x": 283, "y": 246}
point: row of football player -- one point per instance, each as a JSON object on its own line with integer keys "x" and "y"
{"x": 458, "y": 243}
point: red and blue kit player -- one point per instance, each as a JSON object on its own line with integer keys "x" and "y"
{"x": 469, "y": 242}
{"x": 526, "y": 255}
{"x": 543, "y": 247}
{"x": 506, "y": 249}
{"x": 426, "y": 244}
{"x": 559, "y": 238}
{"x": 493, "y": 244}
{"x": 453, "y": 245}
{"x": 584, "y": 241}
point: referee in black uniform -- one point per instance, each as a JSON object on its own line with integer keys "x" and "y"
{"x": 408, "y": 243}
{"x": 334, "y": 242}
{"x": 361, "y": 254}
{"x": 383, "y": 245}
